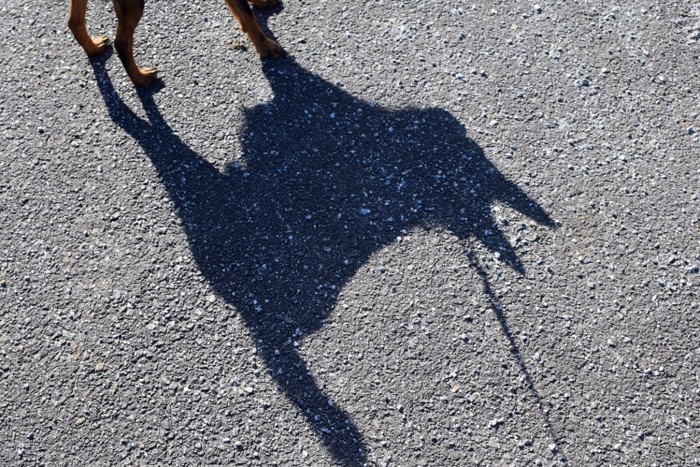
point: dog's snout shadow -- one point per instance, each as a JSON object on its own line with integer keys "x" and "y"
{"x": 327, "y": 180}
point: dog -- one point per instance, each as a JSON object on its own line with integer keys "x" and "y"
{"x": 129, "y": 13}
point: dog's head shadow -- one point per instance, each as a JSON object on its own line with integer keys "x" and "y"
{"x": 327, "y": 179}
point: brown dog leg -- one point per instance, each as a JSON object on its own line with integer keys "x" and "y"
{"x": 129, "y": 13}
{"x": 76, "y": 23}
{"x": 265, "y": 46}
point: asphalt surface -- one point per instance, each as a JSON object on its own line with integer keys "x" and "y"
{"x": 437, "y": 233}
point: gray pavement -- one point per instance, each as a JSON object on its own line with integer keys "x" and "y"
{"x": 437, "y": 233}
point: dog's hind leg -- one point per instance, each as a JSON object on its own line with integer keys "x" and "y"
{"x": 265, "y": 46}
{"x": 76, "y": 23}
{"x": 129, "y": 13}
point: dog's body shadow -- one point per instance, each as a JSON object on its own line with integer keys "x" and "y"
{"x": 327, "y": 180}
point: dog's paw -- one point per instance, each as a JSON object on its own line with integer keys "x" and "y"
{"x": 98, "y": 46}
{"x": 270, "y": 49}
{"x": 146, "y": 77}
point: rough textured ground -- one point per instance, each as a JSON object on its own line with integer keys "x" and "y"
{"x": 439, "y": 233}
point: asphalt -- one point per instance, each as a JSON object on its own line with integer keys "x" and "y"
{"x": 434, "y": 234}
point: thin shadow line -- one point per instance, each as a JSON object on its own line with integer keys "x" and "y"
{"x": 514, "y": 349}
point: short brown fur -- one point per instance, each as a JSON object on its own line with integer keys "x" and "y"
{"x": 129, "y": 13}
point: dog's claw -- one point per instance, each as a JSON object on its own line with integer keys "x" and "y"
{"x": 99, "y": 45}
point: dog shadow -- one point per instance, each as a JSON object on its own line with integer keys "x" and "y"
{"x": 327, "y": 180}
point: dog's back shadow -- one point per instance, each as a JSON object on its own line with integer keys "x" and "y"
{"x": 327, "y": 179}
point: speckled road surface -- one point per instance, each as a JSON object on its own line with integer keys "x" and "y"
{"x": 437, "y": 233}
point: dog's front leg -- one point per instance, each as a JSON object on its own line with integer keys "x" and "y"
{"x": 265, "y": 46}
{"x": 129, "y": 13}
{"x": 76, "y": 23}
